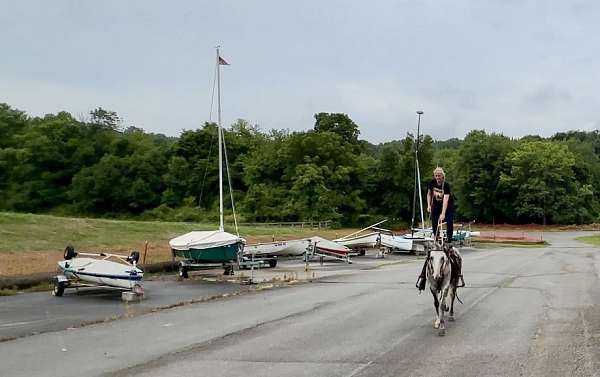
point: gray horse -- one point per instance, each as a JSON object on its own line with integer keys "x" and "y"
{"x": 442, "y": 285}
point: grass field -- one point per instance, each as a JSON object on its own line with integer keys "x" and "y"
{"x": 34, "y": 243}
{"x": 592, "y": 240}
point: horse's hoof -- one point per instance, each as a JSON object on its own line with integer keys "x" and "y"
{"x": 451, "y": 318}
{"x": 436, "y": 324}
{"x": 442, "y": 332}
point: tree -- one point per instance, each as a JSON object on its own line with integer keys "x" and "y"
{"x": 395, "y": 177}
{"x": 105, "y": 119}
{"x": 542, "y": 180}
{"x": 116, "y": 185}
{"x": 481, "y": 161}
{"x": 337, "y": 123}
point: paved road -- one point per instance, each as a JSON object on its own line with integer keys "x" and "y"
{"x": 35, "y": 313}
{"x": 527, "y": 311}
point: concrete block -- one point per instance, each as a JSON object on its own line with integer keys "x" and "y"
{"x": 128, "y": 296}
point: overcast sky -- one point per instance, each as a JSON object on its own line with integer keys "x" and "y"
{"x": 515, "y": 67}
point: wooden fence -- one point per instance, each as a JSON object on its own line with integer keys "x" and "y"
{"x": 299, "y": 224}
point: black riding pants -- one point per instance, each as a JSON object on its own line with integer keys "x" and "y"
{"x": 435, "y": 216}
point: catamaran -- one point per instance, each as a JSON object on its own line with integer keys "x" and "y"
{"x": 373, "y": 237}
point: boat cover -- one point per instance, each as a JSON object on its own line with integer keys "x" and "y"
{"x": 204, "y": 240}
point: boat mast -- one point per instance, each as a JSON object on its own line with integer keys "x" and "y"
{"x": 221, "y": 228}
{"x": 419, "y": 170}
{"x": 417, "y": 186}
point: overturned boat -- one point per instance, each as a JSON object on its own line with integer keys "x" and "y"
{"x": 81, "y": 269}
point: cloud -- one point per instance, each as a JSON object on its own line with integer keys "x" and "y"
{"x": 547, "y": 96}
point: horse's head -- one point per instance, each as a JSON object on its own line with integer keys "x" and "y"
{"x": 438, "y": 264}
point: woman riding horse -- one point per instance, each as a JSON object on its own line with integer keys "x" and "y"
{"x": 440, "y": 204}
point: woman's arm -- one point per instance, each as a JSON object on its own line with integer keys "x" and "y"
{"x": 429, "y": 201}
{"x": 444, "y": 206}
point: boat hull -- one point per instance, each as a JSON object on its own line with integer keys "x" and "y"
{"x": 329, "y": 247}
{"x": 280, "y": 248}
{"x": 102, "y": 272}
{"x": 396, "y": 243}
{"x": 367, "y": 241}
{"x": 218, "y": 254}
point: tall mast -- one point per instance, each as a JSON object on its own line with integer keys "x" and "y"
{"x": 221, "y": 228}
{"x": 417, "y": 178}
{"x": 419, "y": 170}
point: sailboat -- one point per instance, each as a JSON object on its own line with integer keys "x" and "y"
{"x": 422, "y": 237}
{"x": 213, "y": 246}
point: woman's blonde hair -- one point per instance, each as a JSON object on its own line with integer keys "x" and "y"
{"x": 439, "y": 170}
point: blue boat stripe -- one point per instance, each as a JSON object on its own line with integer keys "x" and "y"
{"x": 119, "y": 277}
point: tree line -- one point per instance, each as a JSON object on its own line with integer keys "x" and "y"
{"x": 98, "y": 167}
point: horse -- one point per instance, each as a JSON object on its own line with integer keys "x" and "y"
{"x": 442, "y": 284}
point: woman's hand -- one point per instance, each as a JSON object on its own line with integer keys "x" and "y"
{"x": 442, "y": 217}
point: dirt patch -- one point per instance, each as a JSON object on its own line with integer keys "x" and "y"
{"x": 25, "y": 263}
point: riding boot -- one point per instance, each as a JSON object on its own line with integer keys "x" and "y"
{"x": 422, "y": 279}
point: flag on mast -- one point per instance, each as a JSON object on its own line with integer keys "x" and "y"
{"x": 222, "y": 61}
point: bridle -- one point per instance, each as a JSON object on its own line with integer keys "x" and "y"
{"x": 444, "y": 262}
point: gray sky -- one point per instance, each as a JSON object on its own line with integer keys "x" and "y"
{"x": 516, "y": 67}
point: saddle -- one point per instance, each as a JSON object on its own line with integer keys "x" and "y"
{"x": 455, "y": 276}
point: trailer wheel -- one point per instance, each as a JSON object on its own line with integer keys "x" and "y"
{"x": 134, "y": 256}
{"x": 69, "y": 252}
{"x": 59, "y": 288}
{"x": 272, "y": 263}
{"x": 183, "y": 271}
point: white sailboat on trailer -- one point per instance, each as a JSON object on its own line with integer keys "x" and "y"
{"x": 214, "y": 246}
{"x": 422, "y": 237}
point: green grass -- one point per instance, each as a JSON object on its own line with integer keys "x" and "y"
{"x": 28, "y": 232}
{"x": 592, "y": 240}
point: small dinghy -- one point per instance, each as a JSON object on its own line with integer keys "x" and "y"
{"x": 289, "y": 248}
{"x": 96, "y": 270}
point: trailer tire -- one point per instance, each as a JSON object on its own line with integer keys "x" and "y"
{"x": 69, "y": 252}
{"x": 272, "y": 263}
{"x": 59, "y": 289}
{"x": 134, "y": 256}
{"x": 183, "y": 271}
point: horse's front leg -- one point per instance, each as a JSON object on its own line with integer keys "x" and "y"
{"x": 442, "y": 327}
{"x": 436, "y": 304}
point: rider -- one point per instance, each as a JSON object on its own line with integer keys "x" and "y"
{"x": 440, "y": 204}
